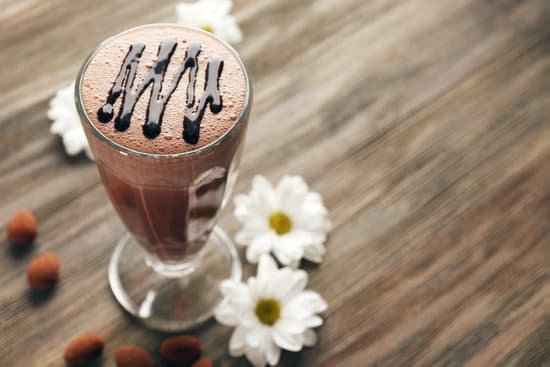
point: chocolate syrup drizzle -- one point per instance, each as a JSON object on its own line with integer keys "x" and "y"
{"x": 211, "y": 96}
{"x": 157, "y": 101}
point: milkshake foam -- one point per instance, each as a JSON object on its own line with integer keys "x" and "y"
{"x": 108, "y": 64}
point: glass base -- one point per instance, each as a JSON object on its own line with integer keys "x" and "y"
{"x": 172, "y": 301}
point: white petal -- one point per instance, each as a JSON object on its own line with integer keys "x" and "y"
{"x": 291, "y": 282}
{"x": 74, "y": 141}
{"x": 249, "y": 319}
{"x": 235, "y": 292}
{"x": 288, "y": 249}
{"x": 291, "y": 190}
{"x": 261, "y": 184}
{"x": 247, "y": 208}
{"x": 255, "y": 226}
{"x": 305, "y": 304}
{"x": 225, "y": 313}
{"x": 286, "y": 340}
{"x": 257, "y": 337}
{"x": 291, "y": 325}
{"x": 256, "y": 356}
{"x": 289, "y": 185}
{"x": 314, "y": 252}
{"x": 66, "y": 122}
{"x": 264, "y": 195}
{"x": 262, "y": 287}
{"x": 312, "y": 321}
{"x": 228, "y": 29}
{"x": 243, "y": 204}
{"x": 250, "y": 207}
{"x": 293, "y": 245}
{"x": 294, "y": 264}
{"x": 273, "y": 353}
{"x": 222, "y": 6}
{"x": 282, "y": 257}
{"x": 298, "y": 283}
{"x": 194, "y": 14}
{"x": 59, "y": 126}
{"x": 259, "y": 246}
{"x": 244, "y": 236}
{"x": 310, "y": 338}
{"x": 267, "y": 268}
{"x": 311, "y": 215}
{"x": 237, "y": 343}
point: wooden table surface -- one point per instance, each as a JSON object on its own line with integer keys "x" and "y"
{"x": 425, "y": 125}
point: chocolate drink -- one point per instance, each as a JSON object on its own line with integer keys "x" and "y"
{"x": 166, "y": 110}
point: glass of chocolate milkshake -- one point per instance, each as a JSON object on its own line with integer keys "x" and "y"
{"x": 165, "y": 110}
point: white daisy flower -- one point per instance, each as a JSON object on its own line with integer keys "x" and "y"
{"x": 288, "y": 220}
{"x": 66, "y": 122}
{"x": 272, "y": 311}
{"x": 212, "y": 16}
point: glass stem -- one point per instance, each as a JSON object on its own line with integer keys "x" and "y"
{"x": 174, "y": 269}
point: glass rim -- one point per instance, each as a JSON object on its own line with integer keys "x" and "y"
{"x": 98, "y": 134}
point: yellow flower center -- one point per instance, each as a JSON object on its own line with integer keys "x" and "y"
{"x": 268, "y": 311}
{"x": 280, "y": 223}
{"x": 207, "y": 28}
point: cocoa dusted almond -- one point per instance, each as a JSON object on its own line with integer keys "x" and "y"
{"x": 22, "y": 228}
{"x": 132, "y": 356}
{"x": 43, "y": 272}
{"x": 181, "y": 350}
{"x": 84, "y": 349}
{"x": 203, "y": 362}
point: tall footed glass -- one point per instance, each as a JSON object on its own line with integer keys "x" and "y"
{"x": 166, "y": 271}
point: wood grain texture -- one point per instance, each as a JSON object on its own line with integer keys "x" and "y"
{"x": 423, "y": 123}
